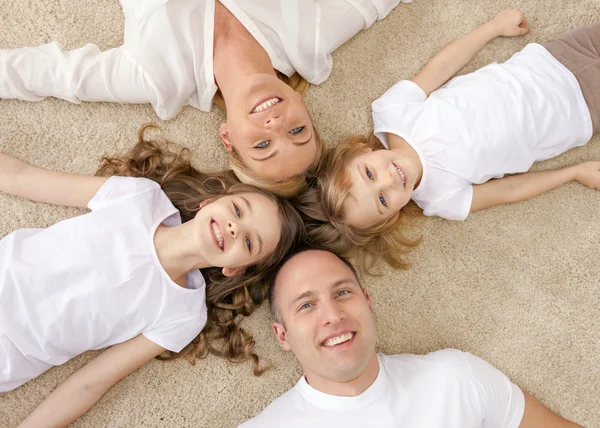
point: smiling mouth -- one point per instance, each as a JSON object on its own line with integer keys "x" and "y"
{"x": 338, "y": 340}
{"x": 264, "y": 105}
{"x": 401, "y": 174}
{"x": 217, "y": 236}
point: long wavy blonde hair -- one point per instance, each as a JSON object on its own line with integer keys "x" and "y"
{"x": 228, "y": 298}
{"x": 322, "y": 206}
{"x": 286, "y": 187}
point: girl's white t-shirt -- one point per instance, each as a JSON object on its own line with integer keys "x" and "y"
{"x": 93, "y": 281}
{"x": 444, "y": 389}
{"x": 498, "y": 120}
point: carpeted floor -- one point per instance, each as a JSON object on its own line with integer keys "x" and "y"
{"x": 516, "y": 285}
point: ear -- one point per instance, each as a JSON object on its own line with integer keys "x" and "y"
{"x": 366, "y": 150}
{"x": 369, "y": 301}
{"x": 229, "y": 271}
{"x": 281, "y": 336}
{"x": 224, "y": 134}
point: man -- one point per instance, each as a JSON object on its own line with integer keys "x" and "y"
{"x": 324, "y": 316}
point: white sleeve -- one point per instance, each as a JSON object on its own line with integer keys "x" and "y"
{"x": 456, "y": 207}
{"x": 337, "y": 21}
{"x": 116, "y": 189}
{"x": 84, "y": 74}
{"x": 502, "y": 402}
{"x": 176, "y": 335}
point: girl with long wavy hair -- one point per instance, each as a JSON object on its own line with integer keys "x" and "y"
{"x": 182, "y": 52}
{"x": 165, "y": 264}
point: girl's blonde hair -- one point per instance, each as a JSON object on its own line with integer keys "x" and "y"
{"x": 285, "y": 187}
{"x": 228, "y": 298}
{"x": 322, "y": 207}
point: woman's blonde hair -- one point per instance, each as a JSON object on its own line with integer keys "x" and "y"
{"x": 285, "y": 187}
{"x": 322, "y": 207}
{"x": 228, "y": 298}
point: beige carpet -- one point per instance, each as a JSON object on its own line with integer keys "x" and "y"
{"x": 517, "y": 285}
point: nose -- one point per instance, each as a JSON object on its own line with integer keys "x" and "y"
{"x": 389, "y": 181}
{"x": 332, "y": 313}
{"x": 233, "y": 228}
{"x": 274, "y": 122}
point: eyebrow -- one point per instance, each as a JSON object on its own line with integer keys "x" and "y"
{"x": 298, "y": 144}
{"x": 364, "y": 177}
{"x": 309, "y": 293}
{"x": 260, "y": 241}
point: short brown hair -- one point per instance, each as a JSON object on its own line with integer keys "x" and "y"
{"x": 272, "y": 280}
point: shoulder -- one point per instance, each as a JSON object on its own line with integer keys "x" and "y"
{"x": 289, "y": 404}
{"x": 446, "y": 363}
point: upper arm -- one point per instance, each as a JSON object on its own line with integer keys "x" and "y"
{"x": 490, "y": 194}
{"x": 55, "y": 187}
{"x": 536, "y": 415}
{"x": 120, "y": 360}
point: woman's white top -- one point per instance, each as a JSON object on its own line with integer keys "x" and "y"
{"x": 498, "y": 120}
{"x": 444, "y": 389}
{"x": 93, "y": 281}
{"x": 167, "y": 55}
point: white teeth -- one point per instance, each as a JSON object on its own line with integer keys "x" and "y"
{"x": 401, "y": 174}
{"x": 339, "y": 339}
{"x": 218, "y": 234}
{"x": 265, "y": 105}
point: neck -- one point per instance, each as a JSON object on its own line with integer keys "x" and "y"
{"x": 351, "y": 388}
{"x": 237, "y": 54}
{"x": 177, "y": 251}
{"x": 399, "y": 145}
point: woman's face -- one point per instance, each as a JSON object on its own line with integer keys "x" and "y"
{"x": 269, "y": 128}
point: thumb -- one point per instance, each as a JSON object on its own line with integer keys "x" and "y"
{"x": 524, "y": 30}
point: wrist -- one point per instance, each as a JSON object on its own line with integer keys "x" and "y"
{"x": 491, "y": 29}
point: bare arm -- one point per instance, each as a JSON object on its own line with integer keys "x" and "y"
{"x": 87, "y": 385}
{"x": 508, "y": 23}
{"x": 525, "y": 186}
{"x": 26, "y": 181}
{"x": 536, "y": 416}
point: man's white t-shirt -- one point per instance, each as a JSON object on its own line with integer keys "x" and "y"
{"x": 167, "y": 55}
{"x": 444, "y": 389}
{"x": 498, "y": 120}
{"x": 93, "y": 281}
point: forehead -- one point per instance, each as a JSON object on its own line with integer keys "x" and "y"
{"x": 314, "y": 270}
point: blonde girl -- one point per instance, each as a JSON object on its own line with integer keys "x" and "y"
{"x": 451, "y": 143}
{"x": 182, "y": 52}
{"x": 167, "y": 260}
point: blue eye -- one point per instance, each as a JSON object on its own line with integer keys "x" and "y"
{"x": 297, "y": 130}
{"x": 237, "y": 211}
{"x": 369, "y": 174}
{"x": 342, "y": 292}
{"x": 382, "y": 200}
{"x": 262, "y": 145}
{"x": 248, "y": 244}
{"x": 305, "y": 306}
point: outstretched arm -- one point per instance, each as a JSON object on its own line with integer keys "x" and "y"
{"x": 536, "y": 415}
{"x": 87, "y": 385}
{"x": 525, "y": 186}
{"x": 508, "y": 23}
{"x": 26, "y": 181}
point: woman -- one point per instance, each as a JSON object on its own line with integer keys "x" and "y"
{"x": 182, "y": 52}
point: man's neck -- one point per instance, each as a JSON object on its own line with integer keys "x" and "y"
{"x": 351, "y": 388}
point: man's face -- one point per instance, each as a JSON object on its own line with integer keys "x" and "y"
{"x": 327, "y": 320}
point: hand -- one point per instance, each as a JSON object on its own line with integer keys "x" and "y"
{"x": 588, "y": 173}
{"x": 510, "y": 23}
